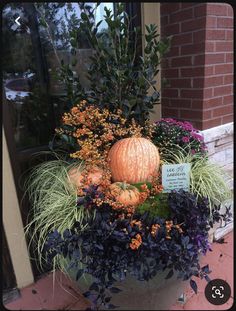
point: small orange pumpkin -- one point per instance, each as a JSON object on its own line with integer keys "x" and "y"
{"x": 76, "y": 178}
{"x": 134, "y": 160}
{"x": 125, "y": 194}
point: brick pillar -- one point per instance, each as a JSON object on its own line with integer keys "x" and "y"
{"x": 199, "y": 66}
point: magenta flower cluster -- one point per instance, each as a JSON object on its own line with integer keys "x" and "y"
{"x": 169, "y": 132}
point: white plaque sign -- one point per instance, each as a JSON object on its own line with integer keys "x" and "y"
{"x": 176, "y": 177}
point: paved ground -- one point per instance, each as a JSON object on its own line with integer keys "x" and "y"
{"x": 220, "y": 261}
{"x": 65, "y": 295}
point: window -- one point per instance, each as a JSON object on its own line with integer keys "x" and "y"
{"x": 35, "y": 95}
{"x": 32, "y": 55}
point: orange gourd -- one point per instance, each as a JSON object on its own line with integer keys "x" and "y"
{"x": 125, "y": 194}
{"x": 133, "y": 160}
{"x": 76, "y": 177}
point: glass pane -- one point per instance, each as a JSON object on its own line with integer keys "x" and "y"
{"x": 33, "y": 53}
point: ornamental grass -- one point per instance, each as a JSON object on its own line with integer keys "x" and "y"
{"x": 207, "y": 179}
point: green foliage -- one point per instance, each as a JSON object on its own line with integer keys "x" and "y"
{"x": 156, "y": 206}
{"x": 120, "y": 77}
{"x": 207, "y": 179}
{"x": 73, "y": 87}
{"x": 139, "y": 185}
{"x": 53, "y": 201}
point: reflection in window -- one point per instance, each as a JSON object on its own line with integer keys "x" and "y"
{"x": 33, "y": 53}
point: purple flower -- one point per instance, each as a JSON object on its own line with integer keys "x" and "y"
{"x": 185, "y": 139}
{"x": 169, "y": 120}
{"x": 193, "y": 151}
{"x": 187, "y": 126}
{"x": 197, "y": 136}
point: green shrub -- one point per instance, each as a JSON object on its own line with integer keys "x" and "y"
{"x": 120, "y": 77}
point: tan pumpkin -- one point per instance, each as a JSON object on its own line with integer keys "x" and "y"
{"x": 133, "y": 160}
{"x": 125, "y": 194}
{"x": 94, "y": 177}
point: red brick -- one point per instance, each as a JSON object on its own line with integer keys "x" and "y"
{"x": 209, "y": 46}
{"x": 169, "y": 112}
{"x": 165, "y": 63}
{"x": 169, "y": 92}
{"x": 193, "y": 49}
{"x": 181, "y": 39}
{"x": 206, "y": 114}
{"x": 228, "y": 79}
{"x": 192, "y": 72}
{"x": 181, "y": 16}
{"x": 200, "y": 10}
{"x": 216, "y": 9}
{"x": 187, "y": 5}
{"x": 169, "y": 7}
{"x": 174, "y": 51}
{"x": 223, "y": 90}
{"x": 229, "y": 99}
{"x": 180, "y": 83}
{"x": 195, "y": 24}
{"x": 191, "y": 114}
{"x": 199, "y": 36}
{"x": 221, "y": 111}
{"x": 165, "y": 101}
{"x": 180, "y": 103}
{"x": 214, "y": 58}
{"x": 181, "y": 61}
{"x": 170, "y": 72}
{"x": 208, "y": 70}
{"x": 171, "y": 29}
{"x": 199, "y": 60}
{"x": 197, "y": 125}
{"x": 229, "y": 34}
{"x": 226, "y": 68}
{"x": 215, "y": 34}
{"x": 212, "y": 102}
{"x": 198, "y": 82}
{"x": 193, "y": 93}
{"x": 211, "y": 22}
{"x": 225, "y": 22}
{"x": 230, "y": 10}
{"x": 197, "y": 104}
{"x": 213, "y": 81}
{"x": 164, "y": 20}
{"x": 224, "y": 46}
{"x": 211, "y": 123}
{"x": 207, "y": 93}
{"x": 227, "y": 119}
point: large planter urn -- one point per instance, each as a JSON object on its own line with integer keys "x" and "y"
{"x": 157, "y": 294}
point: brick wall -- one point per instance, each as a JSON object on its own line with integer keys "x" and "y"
{"x": 199, "y": 66}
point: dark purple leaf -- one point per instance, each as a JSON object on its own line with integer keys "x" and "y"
{"x": 115, "y": 290}
{"x": 193, "y": 285}
{"x": 170, "y": 274}
{"x": 94, "y": 287}
{"x": 79, "y": 274}
{"x": 111, "y": 306}
{"x": 207, "y": 278}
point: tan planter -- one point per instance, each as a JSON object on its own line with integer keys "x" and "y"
{"x": 156, "y": 294}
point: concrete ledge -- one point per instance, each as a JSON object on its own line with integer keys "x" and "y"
{"x": 219, "y": 141}
{"x": 218, "y": 132}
